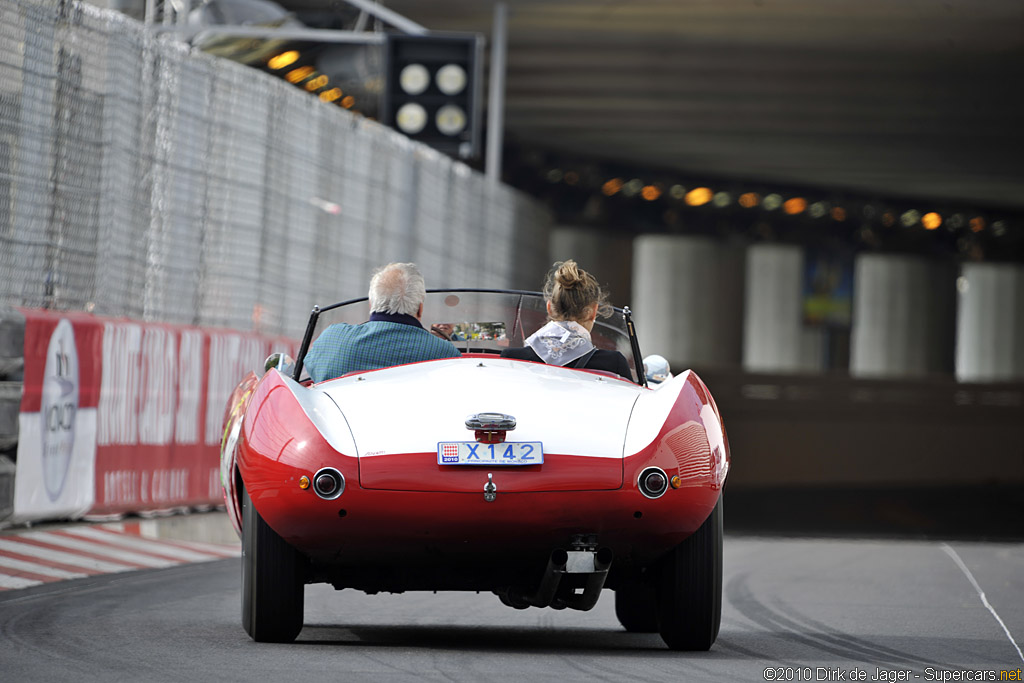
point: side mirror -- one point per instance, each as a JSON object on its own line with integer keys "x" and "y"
{"x": 281, "y": 361}
{"x": 657, "y": 369}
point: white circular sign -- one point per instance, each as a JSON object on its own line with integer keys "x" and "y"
{"x": 59, "y": 408}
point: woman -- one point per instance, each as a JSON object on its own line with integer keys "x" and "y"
{"x": 574, "y": 298}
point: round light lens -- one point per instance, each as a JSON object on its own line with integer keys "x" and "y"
{"x": 451, "y": 79}
{"x": 411, "y": 118}
{"x": 328, "y": 483}
{"x": 414, "y": 79}
{"x": 451, "y": 120}
{"x": 653, "y": 482}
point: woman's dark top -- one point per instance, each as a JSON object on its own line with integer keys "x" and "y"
{"x": 611, "y": 361}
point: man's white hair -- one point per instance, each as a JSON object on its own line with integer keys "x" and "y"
{"x": 397, "y": 288}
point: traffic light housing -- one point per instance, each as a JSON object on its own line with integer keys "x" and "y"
{"x": 432, "y": 91}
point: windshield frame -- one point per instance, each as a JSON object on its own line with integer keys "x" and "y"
{"x": 624, "y": 313}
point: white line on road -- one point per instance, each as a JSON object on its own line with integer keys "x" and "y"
{"x": 62, "y": 557}
{"x": 89, "y": 547}
{"x": 42, "y": 570}
{"x": 970, "y": 577}
{"x": 142, "y": 545}
{"x": 17, "y": 582}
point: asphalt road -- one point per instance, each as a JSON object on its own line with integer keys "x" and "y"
{"x": 806, "y": 608}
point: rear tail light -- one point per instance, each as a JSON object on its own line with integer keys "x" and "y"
{"x": 328, "y": 483}
{"x": 653, "y": 482}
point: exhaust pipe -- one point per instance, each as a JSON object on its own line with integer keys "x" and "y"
{"x": 545, "y": 593}
{"x": 594, "y": 565}
{"x": 594, "y": 584}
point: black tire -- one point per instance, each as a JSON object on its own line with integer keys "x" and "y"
{"x": 636, "y": 607}
{"x": 690, "y": 588}
{"x": 273, "y": 581}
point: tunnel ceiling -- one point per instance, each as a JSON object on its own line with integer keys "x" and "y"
{"x": 916, "y": 98}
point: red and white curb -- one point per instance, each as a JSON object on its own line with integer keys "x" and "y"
{"x": 31, "y": 558}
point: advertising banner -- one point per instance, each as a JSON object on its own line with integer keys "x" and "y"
{"x": 122, "y": 416}
{"x": 57, "y": 422}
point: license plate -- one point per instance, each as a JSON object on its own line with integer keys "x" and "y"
{"x": 473, "y": 453}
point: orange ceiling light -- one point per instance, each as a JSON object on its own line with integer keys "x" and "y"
{"x": 650, "y": 192}
{"x": 977, "y": 224}
{"x": 611, "y": 187}
{"x": 931, "y": 220}
{"x": 699, "y": 196}
{"x": 749, "y": 200}
{"x": 795, "y": 205}
{"x": 317, "y": 83}
{"x": 331, "y": 95}
{"x": 299, "y": 75}
{"x": 282, "y": 60}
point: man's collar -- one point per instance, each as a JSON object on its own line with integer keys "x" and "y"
{"x": 376, "y": 316}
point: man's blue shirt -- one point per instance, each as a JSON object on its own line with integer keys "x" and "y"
{"x": 386, "y": 340}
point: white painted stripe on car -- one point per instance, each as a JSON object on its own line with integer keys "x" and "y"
{"x": 110, "y": 552}
{"x": 42, "y": 570}
{"x": 142, "y": 545}
{"x": 69, "y": 558}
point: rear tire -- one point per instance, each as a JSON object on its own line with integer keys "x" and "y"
{"x": 636, "y": 606}
{"x": 690, "y": 588}
{"x": 273, "y": 581}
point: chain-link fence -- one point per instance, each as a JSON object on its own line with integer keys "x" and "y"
{"x": 143, "y": 179}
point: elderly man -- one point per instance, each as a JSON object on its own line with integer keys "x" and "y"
{"x": 392, "y": 336}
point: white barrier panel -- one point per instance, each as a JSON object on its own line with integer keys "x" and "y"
{"x": 113, "y": 411}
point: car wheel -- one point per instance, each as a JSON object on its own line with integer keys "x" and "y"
{"x": 273, "y": 580}
{"x": 636, "y": 607}
{"x": 690, "y": 588}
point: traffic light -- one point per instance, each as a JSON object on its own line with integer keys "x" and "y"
{"x": 432, "y": 93}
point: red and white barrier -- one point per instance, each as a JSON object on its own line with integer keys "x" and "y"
{"x": 124, "y": 416}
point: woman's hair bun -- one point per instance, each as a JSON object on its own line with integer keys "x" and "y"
{"x": 568, "y": 275}
{"x": 571, "y": 291}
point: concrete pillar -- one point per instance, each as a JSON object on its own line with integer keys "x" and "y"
{"x": 903, "y": 317}
{"x": 990, "y": 323}
{"x": 608, "y": 257}
{"x": 688, "y": 300}
{"x": 773, "y": 308}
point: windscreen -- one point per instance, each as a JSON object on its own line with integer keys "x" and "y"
{"x": 486, "y": 321}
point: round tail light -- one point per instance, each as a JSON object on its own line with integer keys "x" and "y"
{"x": 328, "y": 483}
{"x": 653, "y": 482}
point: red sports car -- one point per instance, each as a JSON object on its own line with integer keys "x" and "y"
{"x": 542, "y": 484}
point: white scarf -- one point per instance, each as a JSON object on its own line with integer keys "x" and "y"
{"x": 560, "y": 342}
